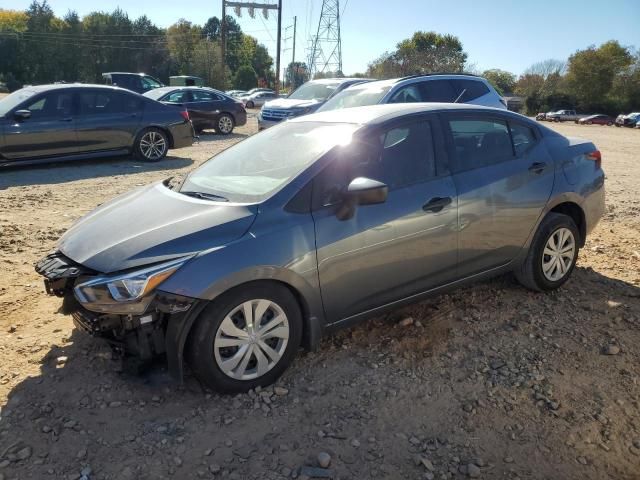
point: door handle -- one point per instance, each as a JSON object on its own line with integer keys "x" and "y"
{"x": 436, "y": 204}
{"x": 537, "y": 167}
{"x": 67, "y": 119}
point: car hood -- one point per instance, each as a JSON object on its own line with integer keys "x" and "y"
{"x": 152, "y": 224}
{"x": 286, "y": 103}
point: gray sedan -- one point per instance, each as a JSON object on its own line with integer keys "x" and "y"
{"x": 67, "y": 122}
{"x": 320, "y": 222}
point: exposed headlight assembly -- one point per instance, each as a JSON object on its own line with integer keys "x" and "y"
{"x": 126, "y": 293}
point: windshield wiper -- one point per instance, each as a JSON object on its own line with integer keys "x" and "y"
{"x": 206, "y": 196}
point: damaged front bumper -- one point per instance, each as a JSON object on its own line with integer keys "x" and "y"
{"x": 161, "y": 329}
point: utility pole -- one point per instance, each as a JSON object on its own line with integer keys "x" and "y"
{"x": 223, "y": 46}
{"x": 278, "y": 53}
{"x": 252, "y": 6}
{"x": 293, "y": 58}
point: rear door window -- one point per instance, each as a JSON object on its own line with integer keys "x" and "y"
{"x": 96, "y": 102}
{"x": 467, "y": 90}
{"x": 202, "y": 96}
{"x": 179, "y": 96}
{"x": 479, "y": 142}
{"x": 523, "y": 137}
{"x": 437, "y": 91}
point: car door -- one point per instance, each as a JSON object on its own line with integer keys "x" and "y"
{"x": 107, "y": 119}
{"x": 388, "y": 251}
{"x": 50, "y": 131}
{"x": 205, "y": 106}
{"x": 504, "y": 177}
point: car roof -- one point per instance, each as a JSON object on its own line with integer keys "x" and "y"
{"x": 59, "y": 86}
{"x": 127, "y": 73}
{"x": 374, "y": 114}
{"x": 341, "y": 80}
{"x": 394, "y": 81}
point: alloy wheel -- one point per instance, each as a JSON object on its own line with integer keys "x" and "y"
{"x": 153, "y": 145}
{"x": 251, "y": 339}
{"x": 225, "y": 124}
{"x": 558, "y": 255}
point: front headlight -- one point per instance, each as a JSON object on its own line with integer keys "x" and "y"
{"x": 127, "y": 293}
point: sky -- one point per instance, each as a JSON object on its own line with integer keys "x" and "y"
{"x": 510, "y": 35}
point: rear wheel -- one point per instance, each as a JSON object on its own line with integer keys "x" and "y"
{"x": 225, "y": 124}
{"x": 151, "y": 145}
{"x": 589, "y": 122}
{"x": 246, "y": 338}
{"x": 250, "y": 104}
{"x": 552, "y": 255}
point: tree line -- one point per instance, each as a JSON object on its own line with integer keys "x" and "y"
{"x": 38, "y": 47}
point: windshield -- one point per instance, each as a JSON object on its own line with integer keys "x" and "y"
{"x": 9, "y": 102}
{"x": 254, "y": 169}
{"x": 356, "y": 97}
{"x": 150, "y": 82}
{"x": 314, "y": 91}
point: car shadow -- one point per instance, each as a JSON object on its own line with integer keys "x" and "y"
{"x": 61, "y": 172}
{"x": 211, "y": 136}
{"x": 83, "y": 409}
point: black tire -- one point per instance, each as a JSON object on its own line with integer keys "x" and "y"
{"x": 589, "y": 122}
{"x": 250, "y": 104}
{"x": 530, "y": 274}
{"x": 141, "y": 148}
{"x": 225, "y": 125}
{"x": 200, "y": 348}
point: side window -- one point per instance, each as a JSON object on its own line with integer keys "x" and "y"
{"x": 149, "y": 83}
{"x": 407, "y": 155}
{"x": 179, "y": 96}
{"x": 437, "y": 91}
{"x": 99, "y": 103}
{"x": 130, "y": 103}
{"x": 523, "y": 138}
{"x": 408, "y": 94}
{"x": 52, "y": 105}
{"x": 469, "y": 90}
{"x": 200, "y": 96}
{"x": 479, "y": 143}
{"x": 398, "y": 157}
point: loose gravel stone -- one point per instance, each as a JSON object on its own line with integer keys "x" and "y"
{"x": 324, "y": 459}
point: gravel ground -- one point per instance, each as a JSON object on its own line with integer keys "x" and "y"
{"x": 492, "y": 381}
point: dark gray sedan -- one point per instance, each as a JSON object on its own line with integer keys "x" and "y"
{"x": 67, "y": 122}
{"x": 208, "y": 108}
{"x": 320, "y": 222}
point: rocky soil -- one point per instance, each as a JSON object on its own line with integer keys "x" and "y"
{"x": 492, "y": 381}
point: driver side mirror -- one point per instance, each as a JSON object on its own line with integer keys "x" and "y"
{"x": 361, "y": 191}
{"x": 22, "y": 114}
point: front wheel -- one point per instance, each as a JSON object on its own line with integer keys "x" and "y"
{"x": 225, "y": 124}
{"x": 151, "y": 145}
{"x": 552, "y": 254}
{"x": 246, "y": 338}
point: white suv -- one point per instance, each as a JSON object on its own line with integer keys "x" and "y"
{"x": 419, "y": 88}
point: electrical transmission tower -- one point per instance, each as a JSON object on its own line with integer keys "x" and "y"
{"x": 326, "y": 49}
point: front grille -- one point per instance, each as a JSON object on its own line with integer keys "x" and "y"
{"x": 59, "y": 272}
{"x": 275, "y": 115}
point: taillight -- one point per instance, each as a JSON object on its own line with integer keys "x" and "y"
{"x": 185, "y": 115}
{"x": 596, "y": 156}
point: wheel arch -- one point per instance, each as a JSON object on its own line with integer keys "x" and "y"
{"x": 180, "y": 327}
{"x": 573, "y": 210}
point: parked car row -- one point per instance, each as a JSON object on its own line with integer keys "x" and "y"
{"x": 630, "y": 120}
